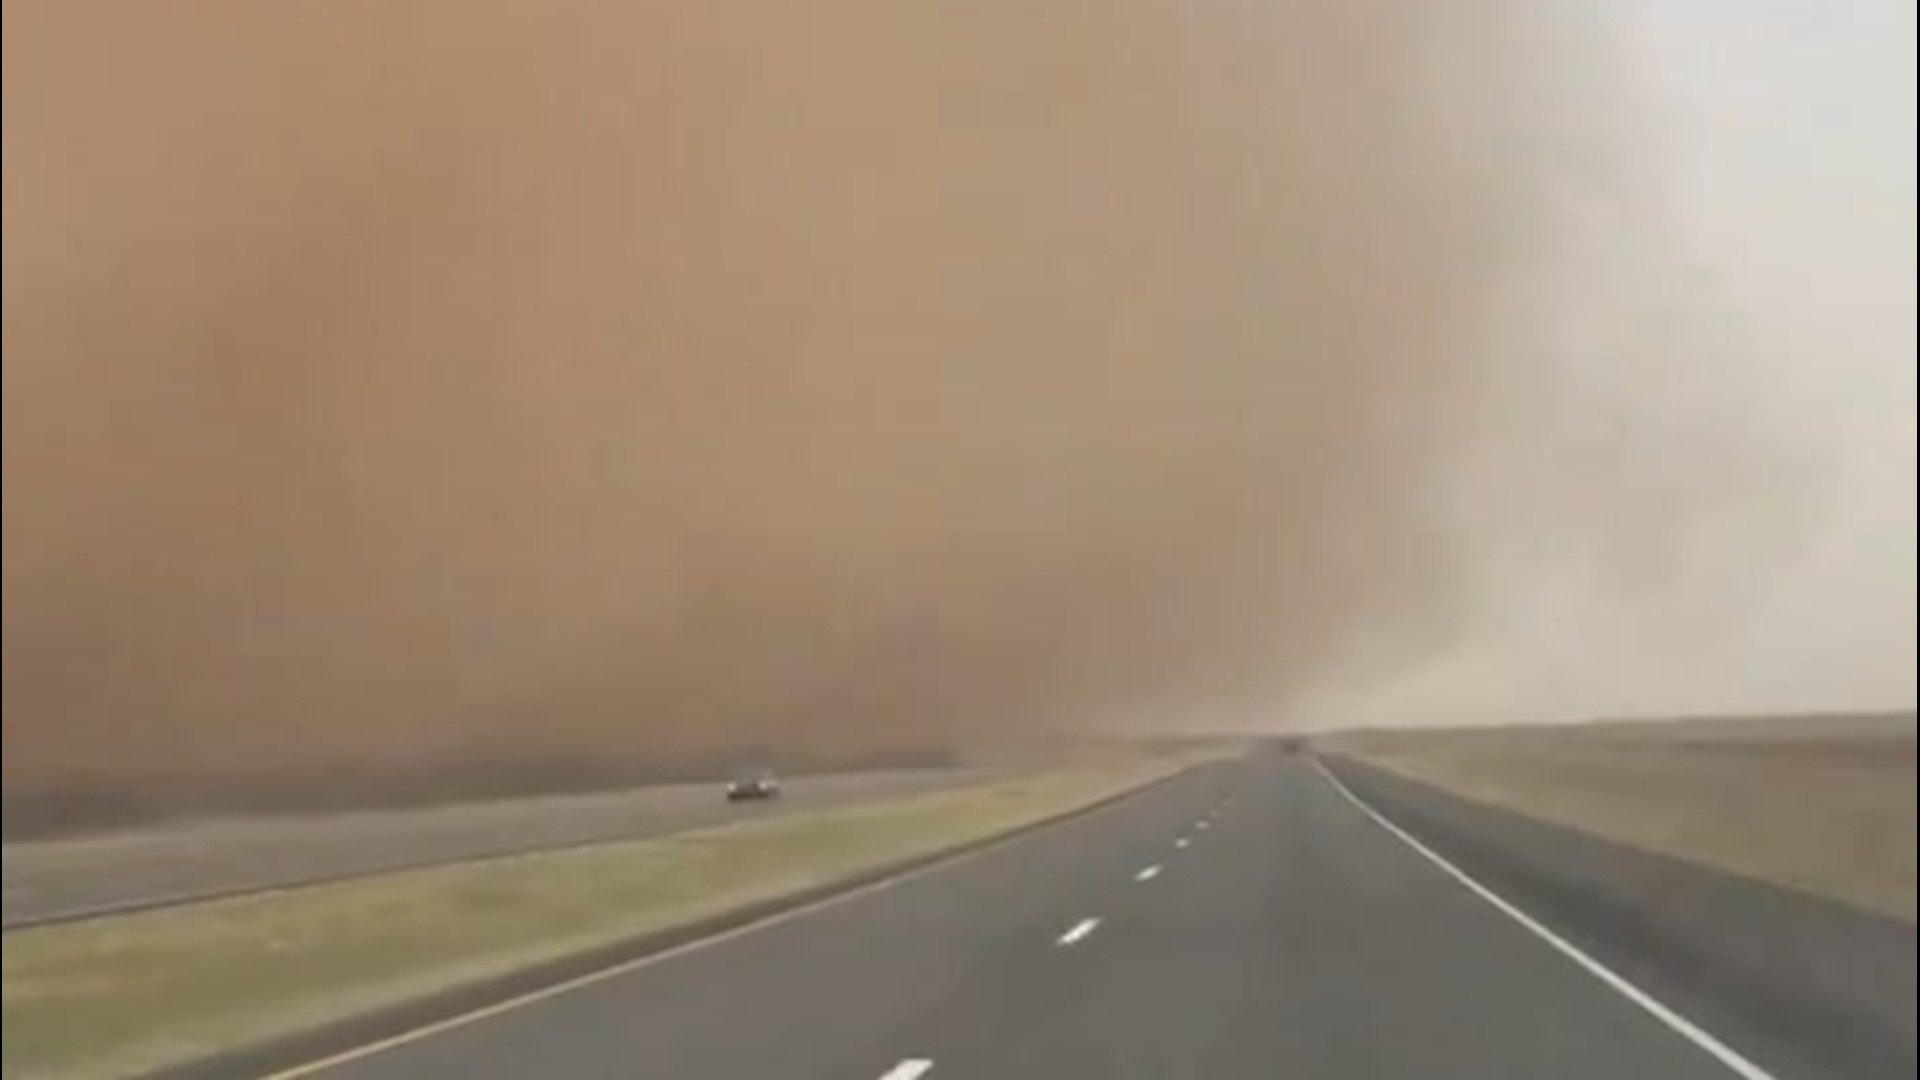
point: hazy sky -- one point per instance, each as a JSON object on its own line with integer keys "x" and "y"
{"x": 448, "y": 377}
{"x": 1771, "y": 144}
{"x": 458, "y": 378}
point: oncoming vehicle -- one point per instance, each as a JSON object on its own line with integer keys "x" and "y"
{"x": 750, "y": 785}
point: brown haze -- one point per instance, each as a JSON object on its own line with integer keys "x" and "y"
{"x": 399, "y": 382}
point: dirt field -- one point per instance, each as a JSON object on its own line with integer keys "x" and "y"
{"x": 1826, "y": 807}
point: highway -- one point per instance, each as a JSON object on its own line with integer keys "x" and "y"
{"x": 1252, "y": 919}
{"x": 49, "y": 881}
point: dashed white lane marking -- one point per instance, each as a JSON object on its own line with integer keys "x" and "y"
{"x": 909, "y": 1069}
{"x": 1079, "y": 932}
{"x": 1719, "y": 1051}
{"x": 1202, "y": 823}
{"x": 1182, "y": 842}
{"x": 1148, "y": 874}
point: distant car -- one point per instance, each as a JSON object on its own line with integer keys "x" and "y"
{"x": 753, "y": 786}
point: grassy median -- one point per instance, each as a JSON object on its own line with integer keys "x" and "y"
{"x": 125, "y": 994}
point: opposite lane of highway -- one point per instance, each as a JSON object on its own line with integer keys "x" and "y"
{"x": 65, "y": 879}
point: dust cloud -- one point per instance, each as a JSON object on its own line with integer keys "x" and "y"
{"x": 390, "y": 385}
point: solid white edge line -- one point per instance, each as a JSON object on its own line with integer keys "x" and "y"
{"x": 1079, "y": 932}
{"x": 909, "y": 1069}
{"x": 1659, "y": 1010}
{"x": 1148, "y": 873}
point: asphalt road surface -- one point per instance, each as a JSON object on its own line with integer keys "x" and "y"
{"x": 1247, "y": 920}
{"x": 64, "y": 879}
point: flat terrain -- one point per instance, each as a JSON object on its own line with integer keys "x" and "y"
{"x": 68, "y": 878}
{"x": 1247, "y": 920}
{"x": 1826, "y": 806}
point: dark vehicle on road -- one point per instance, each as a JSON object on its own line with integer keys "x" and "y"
{"x": 751, "y": 785}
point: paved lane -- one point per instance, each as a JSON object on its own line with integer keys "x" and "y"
{"x": 1247, "y": 920}
{"x": 1295, "y": 938}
